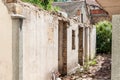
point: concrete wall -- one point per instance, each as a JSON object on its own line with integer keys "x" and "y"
{"x": 92, "y": 42}
{"x": 32, "y": 46}
{"x": 72, "y": 54}
{"x": 116, "y": 47}
{"x": 40, "y": 44}
{"x": 87, "y": 44}
{"x": 5, "y": 43}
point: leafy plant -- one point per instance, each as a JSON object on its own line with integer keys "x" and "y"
{"x": 104, "y": 37}
{"x": 44, "y": 4}
{"x": 92, "y": 62}
{"x": 47, "y": 4}
{"x": 60, "y": 0}
{"x": 86, "y": 66}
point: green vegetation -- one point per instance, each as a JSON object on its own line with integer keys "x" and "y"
{"x": 104, "y": 37}
{"x": 60, "y": 0}
{"x": 44, "y": 4}
{"x": 85, "y": 68}
{"x": 92, "y": 62}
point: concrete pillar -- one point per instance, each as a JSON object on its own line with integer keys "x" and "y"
{"x": 87, "y": 44}
{"x": 116, "y": 47}
{"x": 84, "y": 45}
{"x": 92, "y": 42}
{"x": 16, "y": 45}
{"x": 15, "y": 49}
{"x": 90, "y": 29}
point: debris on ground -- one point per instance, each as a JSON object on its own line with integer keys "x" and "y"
{"x": 100, "y": 71}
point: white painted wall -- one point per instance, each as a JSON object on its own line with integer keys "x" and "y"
{"x": 92, "y": 42}
{"x": 72, "y": 54}
{"x": 5, "y": 43}
{"x": 40, "y": 44}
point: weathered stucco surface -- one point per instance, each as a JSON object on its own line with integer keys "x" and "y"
{"x": 16, "y": 23}
{"x": 116, "y": 47}
{"x": 92, "y": 42}
{"x": 40, "y": 44}
{"x": 5, "y": 43}
{"x": 86, "y": 44}
{"x": 72, "y": 54}
{"x": 29, "y": 49}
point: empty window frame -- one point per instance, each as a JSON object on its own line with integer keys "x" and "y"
{"x": 73, "y": 39}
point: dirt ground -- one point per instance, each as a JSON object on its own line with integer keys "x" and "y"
{"x": 100, "y": 71}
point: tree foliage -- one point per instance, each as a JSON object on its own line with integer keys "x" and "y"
{"x": 104, "y": 37}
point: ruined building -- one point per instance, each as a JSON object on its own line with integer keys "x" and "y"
{"x": 35, "y": 43}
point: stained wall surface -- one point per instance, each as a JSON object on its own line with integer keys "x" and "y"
{"x": 5, "y": 43}
{"x": 40, "y": 44}
{"x": 29, "y": 49}
{"x": 72, "y": 54}
{"x": 92, "y": 42}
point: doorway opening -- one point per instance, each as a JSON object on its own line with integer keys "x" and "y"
{"x": 62, "y": 47}
{"x": 80, "y": 45}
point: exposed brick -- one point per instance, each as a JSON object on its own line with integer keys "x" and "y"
{"x": 78, "y": 13}
{"x": 50, "y": 34}
{"x": 17, "y": 9}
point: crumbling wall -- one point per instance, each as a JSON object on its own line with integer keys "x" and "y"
{"x": 5, "y": 43}
{"x": 40, "y": 44}
{"x": 72, "y": 53}
{"x": 31, "y": 46}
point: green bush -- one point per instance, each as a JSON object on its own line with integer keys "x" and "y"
{"x": 104, "y": 37}
{"x": 44, "y": 4}
{"x": 60, "y": 0}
